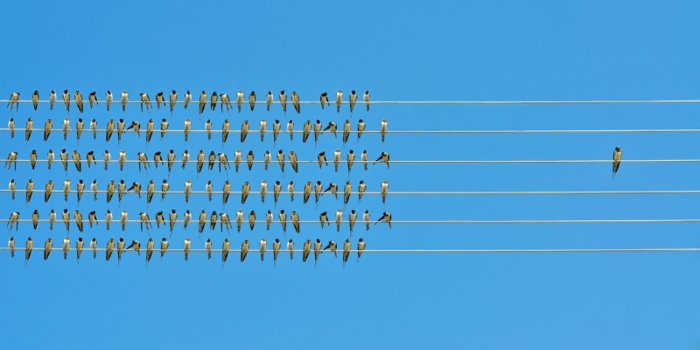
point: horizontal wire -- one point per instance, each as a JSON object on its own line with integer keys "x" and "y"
{"x": 157, "y": 249}
{"x": 193, "y": 221}
{"x": 389, "y": 193}
{"x": 86, "y": 130}
{"x": 382, "y": 162}
{"x": 358, "y": 102}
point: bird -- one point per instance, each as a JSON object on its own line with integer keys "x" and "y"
{"x": 386, "y": 217}
{"x": 93, "y": 246}
{"x": 208, "y": 127}
{"x": 290, "y": 247}
{"x": 186, "y": 128}
{"x": 172, "y": 217}
{"x": 226, "y": 191}
{"x": 28, "y": 249}
{"x": 150, "y": 245}
{"x": 48, "y": 126}
{"x": 202, "y": 220}
{"x": 295, "y": 102}
{"x": 244, "y": 130}
{"x": 268, "y": 100}
{"x": 366, "y": 99}
{"x": 66, "y": 100}
{"x": 79, "y": 244}
{"x": 251, "y": 219}
{"x": 124, "y": 217}
{"x": 333, "y": 127}
{"x": 122, "y": 160}
{"x": 12, "y": 157}
{"x": 360, "y": 247}
{"x": 200, "y": 161}
{"x": 224, "y": 251}
{"x": 239, "y": 219}
{"x": 263, "y": 128}
{"x": 136, "y": 246}
{"x": 333, "y": 188}
{"x": 110, "y": 190}
{"x": 47, "y": 248}
{"x": 276, "y": 245}
{"x": 239, "y": 100}
{"x": 185, "y": 158}
{"x": 384, "y": 190}
{"x": 66, "y": 128}
{"x": 307, "y": 191}
{"x": 283, "y": 221}
{"x": 108, "y": 218}
{"x": 52, "y": 98}
{"x": 120, "y": 249}
{"x": 366, "y": 218}
{"x": 346, "y": 131}
{"x": 333, "y": 247}
{"x": 267, "y": 158}
{"x": 147, "y": 100}
{"x": 108, "y": 99}
{"x": 11, "y": 246}
{"x": 187, "y": 245}
{"x": 80, "y": 187}
{"x": 150, "y": 190}
{"x": 93, "y": 188}
{"x": 92, "y": 218}
{"x": 90, "y": 158}
{"x": 11, "y": 126}
{"x": 30, "y": 190}
{"x": 143, "y": 159}
{"x": 617, "y": 156}
{"x": 79, "y": 100}
{"x": 124, "y": 100}
{"x": 244, "y": 249}
{"x": 280, "y": 159}
{"x": 293, "y": 161}
{"x": 160, "y": 99}
{"x": 13, "y": 188}
{"x": 121, "y": 189}
{"x": 251, "y": 100}
{"x": 318, "y": 190}
{"x": 336, "y": 158}
{"x": 263, "y": 190}
{"x": 323, "y": 218}
{"x": 383, "y": 157}
{"x": 49, "y": 158}
{"x": 110, "y": 129}
{"x": 225, "y": 100}
{"x": 66, "y": 189}
{"x": 187, "y": 218}
{"x": 35, "y": 100}
{"x": 290, "y": 129}
{"x": 283, "y": 101}
{"x": 339, "y": 218}
{"x": 290, "y": 189}
{"x": 324, "y": 100}
{"x": 263, "y": 248}
{"x": 225, "y": 222}
{"x": 307, "y": 249}
{"x": 383, "y": 128}
{"x": 339, "y": 99}
{"x": 317, "y": 250}
{"x": 163, "y": 247}
{"x": 159, "y": 219}
{"x": 35, "y": 219}
{"x": 164, "y": 125}
{"x": 237, "y": 157}
{"x": 322, "y": 159}
{"x": 306, "y": 131}
{"x": 346, "y": 251}
{"x": 212, "y": 220}
{"x": 145, "y": 220}
{"x": 64, "y": 159}
{"x": 76, "y": 160}
{"x": 28, "y": 129}
{"x": 244, "y": 192}
{"x": 202, "y": 101}
{"x": 173, "y": 99}
{"x": 276, "y": 126}
{"x": 352, "y": 217}
{"x": 120, "y": 130}
{"x": 350, "y": 157}
{"x": 188, "y": 98}
{"x": 149, "y": 130}
{"x": 295, "y": 220}
{"x": 364, "y": 157}
{"x": 207, "y": 247}
{"x": 171, "y": 160}
{"x": 353, "y": 99}
{"x": 277, "y": 187}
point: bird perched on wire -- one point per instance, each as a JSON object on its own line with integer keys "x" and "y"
{"x": 617, "y": 156}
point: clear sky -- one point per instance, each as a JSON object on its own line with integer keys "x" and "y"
{"x": 499, "y": 50}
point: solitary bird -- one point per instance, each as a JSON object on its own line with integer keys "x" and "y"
{"x": 617, "y": 156}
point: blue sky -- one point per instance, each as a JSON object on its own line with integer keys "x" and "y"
{"x": 501, "y": 50}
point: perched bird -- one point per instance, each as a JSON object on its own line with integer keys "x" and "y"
{"x": 346, "y": 192}
{"x": 295, "y": 220}
{"x": 143, "y": 159}
{"x": 339, "y": 218}
{"x": 157, "y": 159}
{"x": 150, "y": 245}
{"x": 244, "y": 192}
{"x": 188, "y": 218}
{"x": 188, "y": 244}
{"x": 336, "y": 158}
{"x": 207, "y": 247}
{"x": 366, "y": 218}
{"x": 173, "y": 99}
{"x": 91, "y": 158}
{"x": 295, "y": 102}
{"x": 263, "y": 248}
{"x": 110, "y": 129}
{"x": 617, "y": 156}
{"x": 93, "y": 188}
{"x": 263, "y": 190}
{"x": 188, "y": 190}
{"x": 269, "y": 100}
{"x": 280, "y": 159}
{"x": 145, "y": 220}
{"x": 159, "y": 219}
{"x": 92, "y": 218}
{"x": 52, "y": 98}
{"x": 11, "y": 126}
{"x": 200, "y": 161}
{"x": 92, "y": 98}
{"x": 111, "y": 186}
{"x": 66, "y": 189}
{"x": 30, "y": 190}
{"x": 48, "y": 126}
{"x": 66, "y": 128}
{"x": 322, "y": 159}
{"x": 124, "y": 100}
{"x": 171, "y": 160}
{"x": 80, "y": 187}
{"x": 35, "y": 100}
{"x": 108, "y": 99}
{"x": 164, "y": 125}
{"x": 208, "y": 128}
{"x": 386, "y": 217}
{"x": 383, "y": 128}
{"x": 93, "y": 246}
{"x": 244, "y": 130}
{"x": 188, "y": 98}
{"x": 244, "y": 249}
{"x": 79, "y": 245}
{"x": 346, "y": 251}
{"x": 185, "y": 158}
{"x": 323, "y": 218}
{"x": 163, "y": 247}
{"x": 13, "y": 188}
{"x": 120, "y": 249}
{"x": 124, "y": 217}
{"x": 384, "y": 190}
{"x": 120, "y": 130}
{"x": 360, "y": 247}
{"x": 350, "y": 157}
{"x": 28, "y": 129}
{"x": 283, "y": 101}
{"x": 47, "y": 248}
{"x": 121, "y": 189}
{"x": 267, "y": 158}
{"x": 283, "y": 221}
{"x": 251, "y": 100}
{"x": 28, "y": 249}
{"x": 277, "y": 187}
{"x": 366, "y": 99}
{"x": 307, "y": 249}
{"x": 12, "y": 158}
{"x": 224, "y": 251}
{"x": 360, "y": 128}
{"x": 76, "y": 160}
{"x": 293, "y": 161}
{"x": 352, "y": 217}
{"x": 225, "y": 222}
{"x": 364, "y": 157}
{"x": 251, "y": 219}
{"x": 318, "y": 190}
{"x": 202, "y": 220}
{"x": 147, "y": 100}
{"x": 149, "y": 130}
{"x": 290, "y": 189}
{"x": 333, "y": 247}
{"x": 237, "y": 158}
{"x": 186, "y": 128}
{"x": 384, "y": 157}
{"x": 172, "y": 217}
{"x": 66, "y": 100}
{"x": 11, "y": 245}
{"x": 35, "y": 219}
{"x": 64, "y": 159}
{"x": 333, "y": 188}
{"x": 290, "y": 247}
{"x": 263, "y": 128}
{"x": 353, "y": 99}
{"x": 202, "y": 101}
{"x": 346, "y": 131}
{"x": 160, "y": 99}
{"x": 213, "y": 219}
{"x": 317, "y": 250}
{"x": 276, "y": 127}
{"x": 306, "y": 131}
{"x": 136, "y": 246}
{"x": 239, "y": 219}
{"x": 276, "y": 245}
{"x": 339, "y": 99}
{"x": 333, "y": 127}
{"x": 226, "y": 191}
{"x": 239, "y": 100}
{"x": 79, "y": 100}
{"x": 225, "y": 100}
{"x": 50, "y": 158}
{"x": 324, "y": 100}
{"x": 268, "y": 219}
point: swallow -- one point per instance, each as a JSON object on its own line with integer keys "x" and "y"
{"x": 66, "y": 128}
{"x": 93, "y": 246}
{"x": 224, "y": 251}
{"x": 244, "y": 130}
{"x": 159, "y": 219}
{"x": 339, "y": 99}
{"x": 306, "y": 131}
{"x": 136, "y": 126}
{"x": 384, "y": 190}
{"x": 617, "y": 156}
{"x": 386, "y": 217}
{"x": 225, "y": 222}
{"x": 283, "y": 221}
{"x": 225, "y": 100}
{"x": 124, "y": 100}
{"x": 35, "y": 100}
{"x": 346, "y": 192}
{"x": 149, "y": 130}
{"x": 276, "y": 126}
{"x": 76, "y": 160}
{"x": 280, "y": 159}
{"x": 333, "y": 188}
{"x": 366, "y": 99}
{"x": 209, "y": 188}
{"x": 207, "y": 247}
{"x": 124, "y": 217}
{"x": 66, "y": 99}
{"x": 173, "y": 99}
{"x": 208, "y": 128}
{"x": 120, "y": 249}
{"x": 333, "y": 127}
{"x": 163, "y": 247}
{"x": 352, "y": 217}
{"x": 336, "y": 159}
{"x": 147, "y": 100}
{"x": 251, "y": 100}
{"x": 12, "y": 158}
{"x": 318, "y": 190}
{"x": 186, "y": 247}
{"x": 333, "y": 247}
{"x": 136, "y": 246}
{"x": 383, "y": 128}
{"x": 276, "y": 245}
{"x": 364, "y": 157}
{"x": 92, "y": 98}
{"x": 120, "y": 130}
{"x": 11, "y": 126}
{"x": 110, "y": 129}
{"x": 283, "y": 101}
{"x": 293, "y": 161}
{"x": 203, "y": 220}
{"x": 384, "y": 157}
{"x": 188, "y": 218}
{"x": 185, "y": 158}
{"x": 244, "y": 249}
{"x": 79, "y": 100}
{"x": 290, "y": 129}
{"x": 32, "y": 159}
{"x": 188, "y": 190}
{"x": 268, "y": 100}
{"x": 339, "y": 218}
{"x": 346, "y": 131}
{"x": 48, "y": 126}
{"x": 35, "y": 218}
{"x": 290, "y": 248}
{"x": 360, "y": 128}
{"x": 110, "y": 190}
{"x": 290, "y": 189}
{"x": 92, "y": 218}
{"x": 171, "y": 160}
{"x": 277, "y": 189}
{"x": 267, "y": 158}
{"x": 91, "y": 158}
{"x": 80, "y": 187}
{"x": 353, "y": 99}
{"x": 263, "y": 190}
{"x": 366, "y": 218}
{"x": 28, "y": 249}
{"x": 93, "y": 188}
{"x": 346, "y": 251}
{"x": 50, "y": 158}
{"x": 150, "y": 245}
{"x": 172, "y": 217}
{"x": 11, "y": 245}
{"x": 64, "y": 159}
{"x": 324, "y": 100}
{"x": 110, "y": 248}
{"x": 150, "y": 190}
{"x": 250, "y": 158}
{"x": 157, "y": 158}
{"x": 28, "y": 129}
{"x": 79, "y": 244}
{"x": 239, "y": 100}
{"x": 108, "y": 99}
{"x": 186, "y": 128}
{"x": 323, "y": 218}
{"x": 47, "y": 248}
{"x": 160, "y": 99}
{"x": 360, "y": 247}
{"x": 307, "y": 191}
{"x": 322, "y": 159}
{"x": 200, "y": 161}
{"x": 263, "y": 248}
{"x": 317, "y": 250}
{"x": 122, "y": 160}
{"x": 295, "y": 220}
{"x": 307, "y": 249}
{"x": 66, "y": 189}
{"x": 226, "y": 191}
{"x": 13, "y": 188}
{"x": 121, "y": 189}
{"x": 202, "y": 101}
{"x": 52, "y": 98}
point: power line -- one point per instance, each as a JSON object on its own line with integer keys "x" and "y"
{"x": 86, "y": 130}
{"x": 358, "y": 102}
{"x": 380, "y": 162}
{"x": 593, "y": 250}
{"x": 358, "y": 222}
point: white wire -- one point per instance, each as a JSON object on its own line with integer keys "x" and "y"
{"x": 86, "y": 130}
{"x": 593, "y": 250}
{"x": 358, "y": 102}
{"x": 358, "y": 222}
{"x": 86, "y": 192}
{"x": 380, "y": 162}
